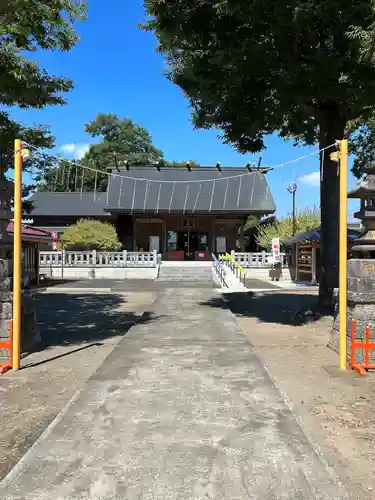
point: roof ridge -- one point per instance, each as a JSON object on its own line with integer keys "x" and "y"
{"x": 183, "y": 167}
{"x": 68, "y": 192}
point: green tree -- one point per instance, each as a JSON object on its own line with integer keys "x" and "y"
{"x": 121, "y": 140}
{"x": 61, "y": 176}
{"x": 306, "y": 219}
{"x": 25, "y": 27}
{"x": 182, "y": 164}
{"x": 89, "y": 234}
{"x": 362, "y": 145}
{"x": 302, "y": 69}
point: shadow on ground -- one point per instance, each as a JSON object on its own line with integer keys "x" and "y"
{"x": 50, "y": 282}
{"x": 73, "y": 319}
{"x": 280, "y": 307}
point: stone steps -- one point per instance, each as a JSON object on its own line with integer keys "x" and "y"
{"x": 185, "y": 273}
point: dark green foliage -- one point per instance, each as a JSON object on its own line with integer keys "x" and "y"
{"x": 362, "y": 145}
{"x": 301, "y": 68}
{"x": 25, "y": 26}
{"x": 34, "y": 165}
{"x": 121, "y": 140}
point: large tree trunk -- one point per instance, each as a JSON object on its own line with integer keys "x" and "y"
{"x": 332, "y": 127}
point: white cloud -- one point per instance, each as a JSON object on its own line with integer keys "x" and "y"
{"x": 75, "y": 150}
{"x": 313, "y": 179}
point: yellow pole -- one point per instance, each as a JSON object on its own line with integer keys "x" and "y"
{"x": 17, "y": 255}
{"x": 343, "y": 251}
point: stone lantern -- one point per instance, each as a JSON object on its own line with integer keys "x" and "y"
{"x": 361, "y": 269}
{"x": 364, "y": 247}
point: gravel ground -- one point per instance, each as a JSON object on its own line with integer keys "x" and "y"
{"x": 80, "y": 331}
{"x": 336, "y": 409}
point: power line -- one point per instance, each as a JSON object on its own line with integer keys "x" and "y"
{"x": 144, "y": 179}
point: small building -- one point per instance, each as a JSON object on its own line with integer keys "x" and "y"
{"x": 307, "y": 251}
{"x": 31, "y": 239}
{"x": 182, "y": 213}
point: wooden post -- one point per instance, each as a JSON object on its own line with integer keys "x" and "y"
{"x": 62, "y": 260}
{"x": 296, "y": 262}
{"x": 213, "y": 236}
{"x": 313, "y": 264}
{"x": 242, "y": 236}
{"x": 134, "y": 235}
{"x": 164, "y": 248}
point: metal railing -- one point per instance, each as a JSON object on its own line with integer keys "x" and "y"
{"x": 257, "y": 259}
{"x": 219, "y": 270}
{"x": 237, "y": 270}
{"x": 97, "y": 259}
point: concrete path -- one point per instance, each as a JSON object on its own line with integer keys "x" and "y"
{"x": 182, "y": 409}
{"x": 112, "y": 285}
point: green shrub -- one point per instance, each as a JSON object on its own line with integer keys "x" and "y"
{"x": 89, "y": 234}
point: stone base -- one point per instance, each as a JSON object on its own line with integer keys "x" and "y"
{"x": 30, "y": 335}
{"x": 361, "y": 307}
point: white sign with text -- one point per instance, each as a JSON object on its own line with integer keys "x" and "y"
{"x": 276, "y": 250}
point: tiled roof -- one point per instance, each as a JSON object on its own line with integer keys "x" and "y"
{"x": 31, "y": 232}
{"x": 167, "y": 190}
{"x": 200, "y": 190}
{"x": 68, "y": 204}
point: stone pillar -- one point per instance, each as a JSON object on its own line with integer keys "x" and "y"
{"x": 30, "y": 335}
{"x": 6, "y": 263}
{"x": 361, "y": 271}
{"x": 361, "y": 306}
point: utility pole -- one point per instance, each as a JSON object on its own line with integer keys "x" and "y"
{"x": 292, "y": 188}
{"x": 17, "y": 255}
{"x": 343, "y": 248}
{"x": 341, "y": 156}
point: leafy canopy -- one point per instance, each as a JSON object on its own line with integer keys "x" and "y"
{"x": 89, "y": 234}
{"x": 362, "y": 145}
{"x": 306, "y": 219}
{"x": 251, "y": 70}
{"x": 302, "y": 68}
{"x": 123, "y": 137}
{"x": 26, "y": 26}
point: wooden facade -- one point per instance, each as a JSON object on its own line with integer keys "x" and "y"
{"x": 194, "y": 238}
{"x": 175, "y": 237}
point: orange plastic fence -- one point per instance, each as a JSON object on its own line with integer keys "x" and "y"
{"x": 367, "y": 346}
{"x": 8, "y": 345}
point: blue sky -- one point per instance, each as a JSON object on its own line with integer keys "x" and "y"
{"x": 116, "y": 69}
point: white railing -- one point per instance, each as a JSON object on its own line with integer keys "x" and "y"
{"x": 97, "y": 259}
{"x": 257, "y": 259}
